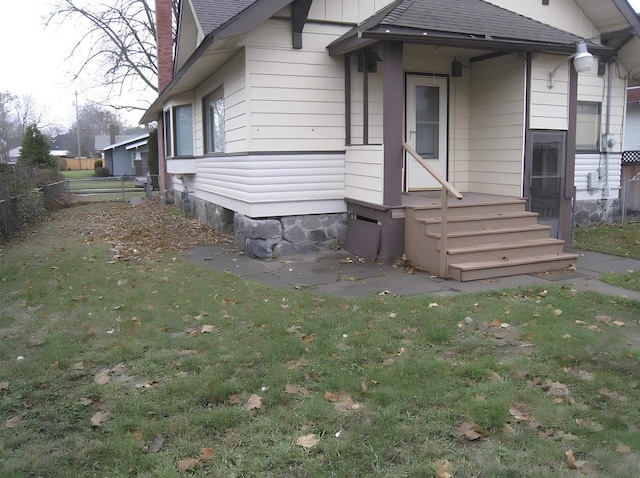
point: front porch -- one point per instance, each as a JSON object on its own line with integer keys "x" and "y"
{"x": 483, "y": 236}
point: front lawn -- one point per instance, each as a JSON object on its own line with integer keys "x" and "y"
{"x": 122, "y": 358}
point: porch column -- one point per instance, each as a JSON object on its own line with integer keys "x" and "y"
{"x": 392, "y": 107}
{"x": 566, "y": 219}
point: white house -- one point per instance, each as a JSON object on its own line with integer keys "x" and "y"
{"x": 310, "y": 121}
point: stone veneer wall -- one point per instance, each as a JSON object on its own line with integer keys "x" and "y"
{"x": 270, "y": 237}
{"x": 589, "y": 213}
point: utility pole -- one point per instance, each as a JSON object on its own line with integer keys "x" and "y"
{"x": 78, "y": 124}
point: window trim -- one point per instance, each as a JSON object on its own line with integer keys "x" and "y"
{"x": 208, "y": 136}
{"x": 171, "y": 132}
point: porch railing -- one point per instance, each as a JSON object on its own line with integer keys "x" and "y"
{"x": 447, "y": 188}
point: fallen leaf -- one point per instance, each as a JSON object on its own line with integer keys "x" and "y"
{"x": 557, "y": 312}
{"x": 623, "y": 449}
{"x": 574, "y": 464}
{"x": 292, "y": 365}
{"x": 444, "y": 469}
{"x": 4, "y": 385}
{"x": 187, "y": 464}
{"x": 613, "y": 395}
{"x": 470, "y": 431}
{"x": 102, "y": 377}
{"x": 234, "y": 399}
{"x": 603, "y": 318}
{"x": 208, "y": 329}
{"x": 518, "y": 414}
{"x": 207, "y": 453}
{"x": 156, "y": 444}
{"x": 494, "y": 377}
{"x": 254, "y": 402}
{"x": 308, "y": 441}
{"x": 618, "y": 323}
{"x": 293, "y": 389}
{"x": 342, "y": 401}
{"x": 13, "y": 421}
{"x": 99, "y": 418}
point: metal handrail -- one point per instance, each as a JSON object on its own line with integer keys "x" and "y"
{"x": 447, "y": 188}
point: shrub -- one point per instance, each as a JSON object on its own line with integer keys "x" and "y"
{"x": 97, "y": 164}
{"x": 101, "y": 172}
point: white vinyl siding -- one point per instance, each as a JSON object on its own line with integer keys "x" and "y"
{"x": 231, "y": 79}
{"x": 497, "y": 126}
{"x": 632, "y": 128}
{"x": 297, "y": 96}
{"x": 589, "y": 163}
{"x": 375, "y": 117}
{"x": 364, "y": 173}
{"x": 345, "y": 11}
{"x": 549, "y": 106}
{"x": 272, "y": 184}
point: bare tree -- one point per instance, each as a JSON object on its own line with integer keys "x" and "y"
{"x": 120, "y": 39}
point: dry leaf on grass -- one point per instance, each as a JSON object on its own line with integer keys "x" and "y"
{"x": 4, "y": 385}
{"x": 187, "y": 464}
{"x": 13, "y": 421}
{"x": 207, "y": 453}
{"x": 469, "y": 431}
{"x": 444, "y": 469}
{"x": 518, "y": 414}
{"x": 254, "y": 402}
{"x": 308, "y": 441}
{"x": 99, "y": 418}
{"x": 623, "y": 449}
{"x": 102, "y": 377}
{"x": 342, "y": 401}
{"x": 208, "y": 329}
{"x": 293, "y": 389}
{"x": 574, "y": 464}
{"x": 613, "y": 395}
{"x": 155, "y": 444}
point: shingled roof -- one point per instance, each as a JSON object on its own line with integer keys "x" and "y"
{"x": 472, "y": 23}
{"x": 212, "y": 14}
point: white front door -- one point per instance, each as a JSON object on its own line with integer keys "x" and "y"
{"x": 426, "y": 129}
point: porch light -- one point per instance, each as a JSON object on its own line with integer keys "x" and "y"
{"x": 582, "y": 61}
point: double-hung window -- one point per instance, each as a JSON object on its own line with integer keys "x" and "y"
{"x": 588, "y": 126}
{"x": 178, "y": 123}
{"x": 213, "y": 112}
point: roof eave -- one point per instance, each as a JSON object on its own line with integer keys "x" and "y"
{"x": 365, "y": 38}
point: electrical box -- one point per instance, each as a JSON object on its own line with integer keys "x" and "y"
{"x": 593, "y": 181}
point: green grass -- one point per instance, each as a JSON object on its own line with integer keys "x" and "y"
{"x": 78, "y": 174}
{"x": 617, "y": 240}
{"x": 412, "y": 373}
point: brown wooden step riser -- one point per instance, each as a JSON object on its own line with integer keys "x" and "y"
{"x": 504, "y": 255}
{"x": 509, "y": 271}
{"x": 483, "y": 225}
{"x": 470, "y": 210}
{"x": 496, "y": 237}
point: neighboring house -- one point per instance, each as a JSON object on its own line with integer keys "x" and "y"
{"x": 128, "y": 157}
{"x": 631, "y": 152}
{"x": 289, "y": 117}
{"x": 13, "y": 155}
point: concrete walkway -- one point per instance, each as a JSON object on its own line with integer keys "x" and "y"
{"x": 341, "y": 273}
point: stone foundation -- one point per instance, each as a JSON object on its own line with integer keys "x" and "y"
{"x": 267, "y": 238}
{"x": 589, "y": 213}
{"x": 276, "y": 237}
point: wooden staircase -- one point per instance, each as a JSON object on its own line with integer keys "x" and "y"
{"x": 495, "y": 238}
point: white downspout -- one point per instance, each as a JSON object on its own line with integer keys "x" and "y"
{"x": 607, "y": 134}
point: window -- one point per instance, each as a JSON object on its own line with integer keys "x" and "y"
{"x": 213, "y": 110}
{"x": 588, "y": 126}
{"x": 178, "y": 131}
{"x": 167, "y": 134}
{"x": 183, "y": 130}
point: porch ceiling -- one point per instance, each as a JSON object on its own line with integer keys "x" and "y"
{"x": 472, "y": 24}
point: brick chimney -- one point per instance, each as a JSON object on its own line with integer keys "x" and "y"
{"x": 164, "y": 40}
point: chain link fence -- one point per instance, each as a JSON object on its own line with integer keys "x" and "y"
{"x": 630, "y": 200}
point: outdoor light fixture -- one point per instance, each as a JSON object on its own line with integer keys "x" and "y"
{"x": 582, "y": 61}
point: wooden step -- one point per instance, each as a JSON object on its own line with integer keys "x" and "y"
{"x": 526, "y": 265}
{"x": 493, "y": 236}
{"x": 505, "y": 251}
{"x": 482, "y": 221}
{"x": 466, "y": 209}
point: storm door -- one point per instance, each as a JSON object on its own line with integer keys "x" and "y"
{"x": 546, "y": 183}
{"x": 426, "y": 129}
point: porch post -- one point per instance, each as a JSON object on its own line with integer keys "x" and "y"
{"x": 392, "y": 106}
{"x": 564, "y": 231}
